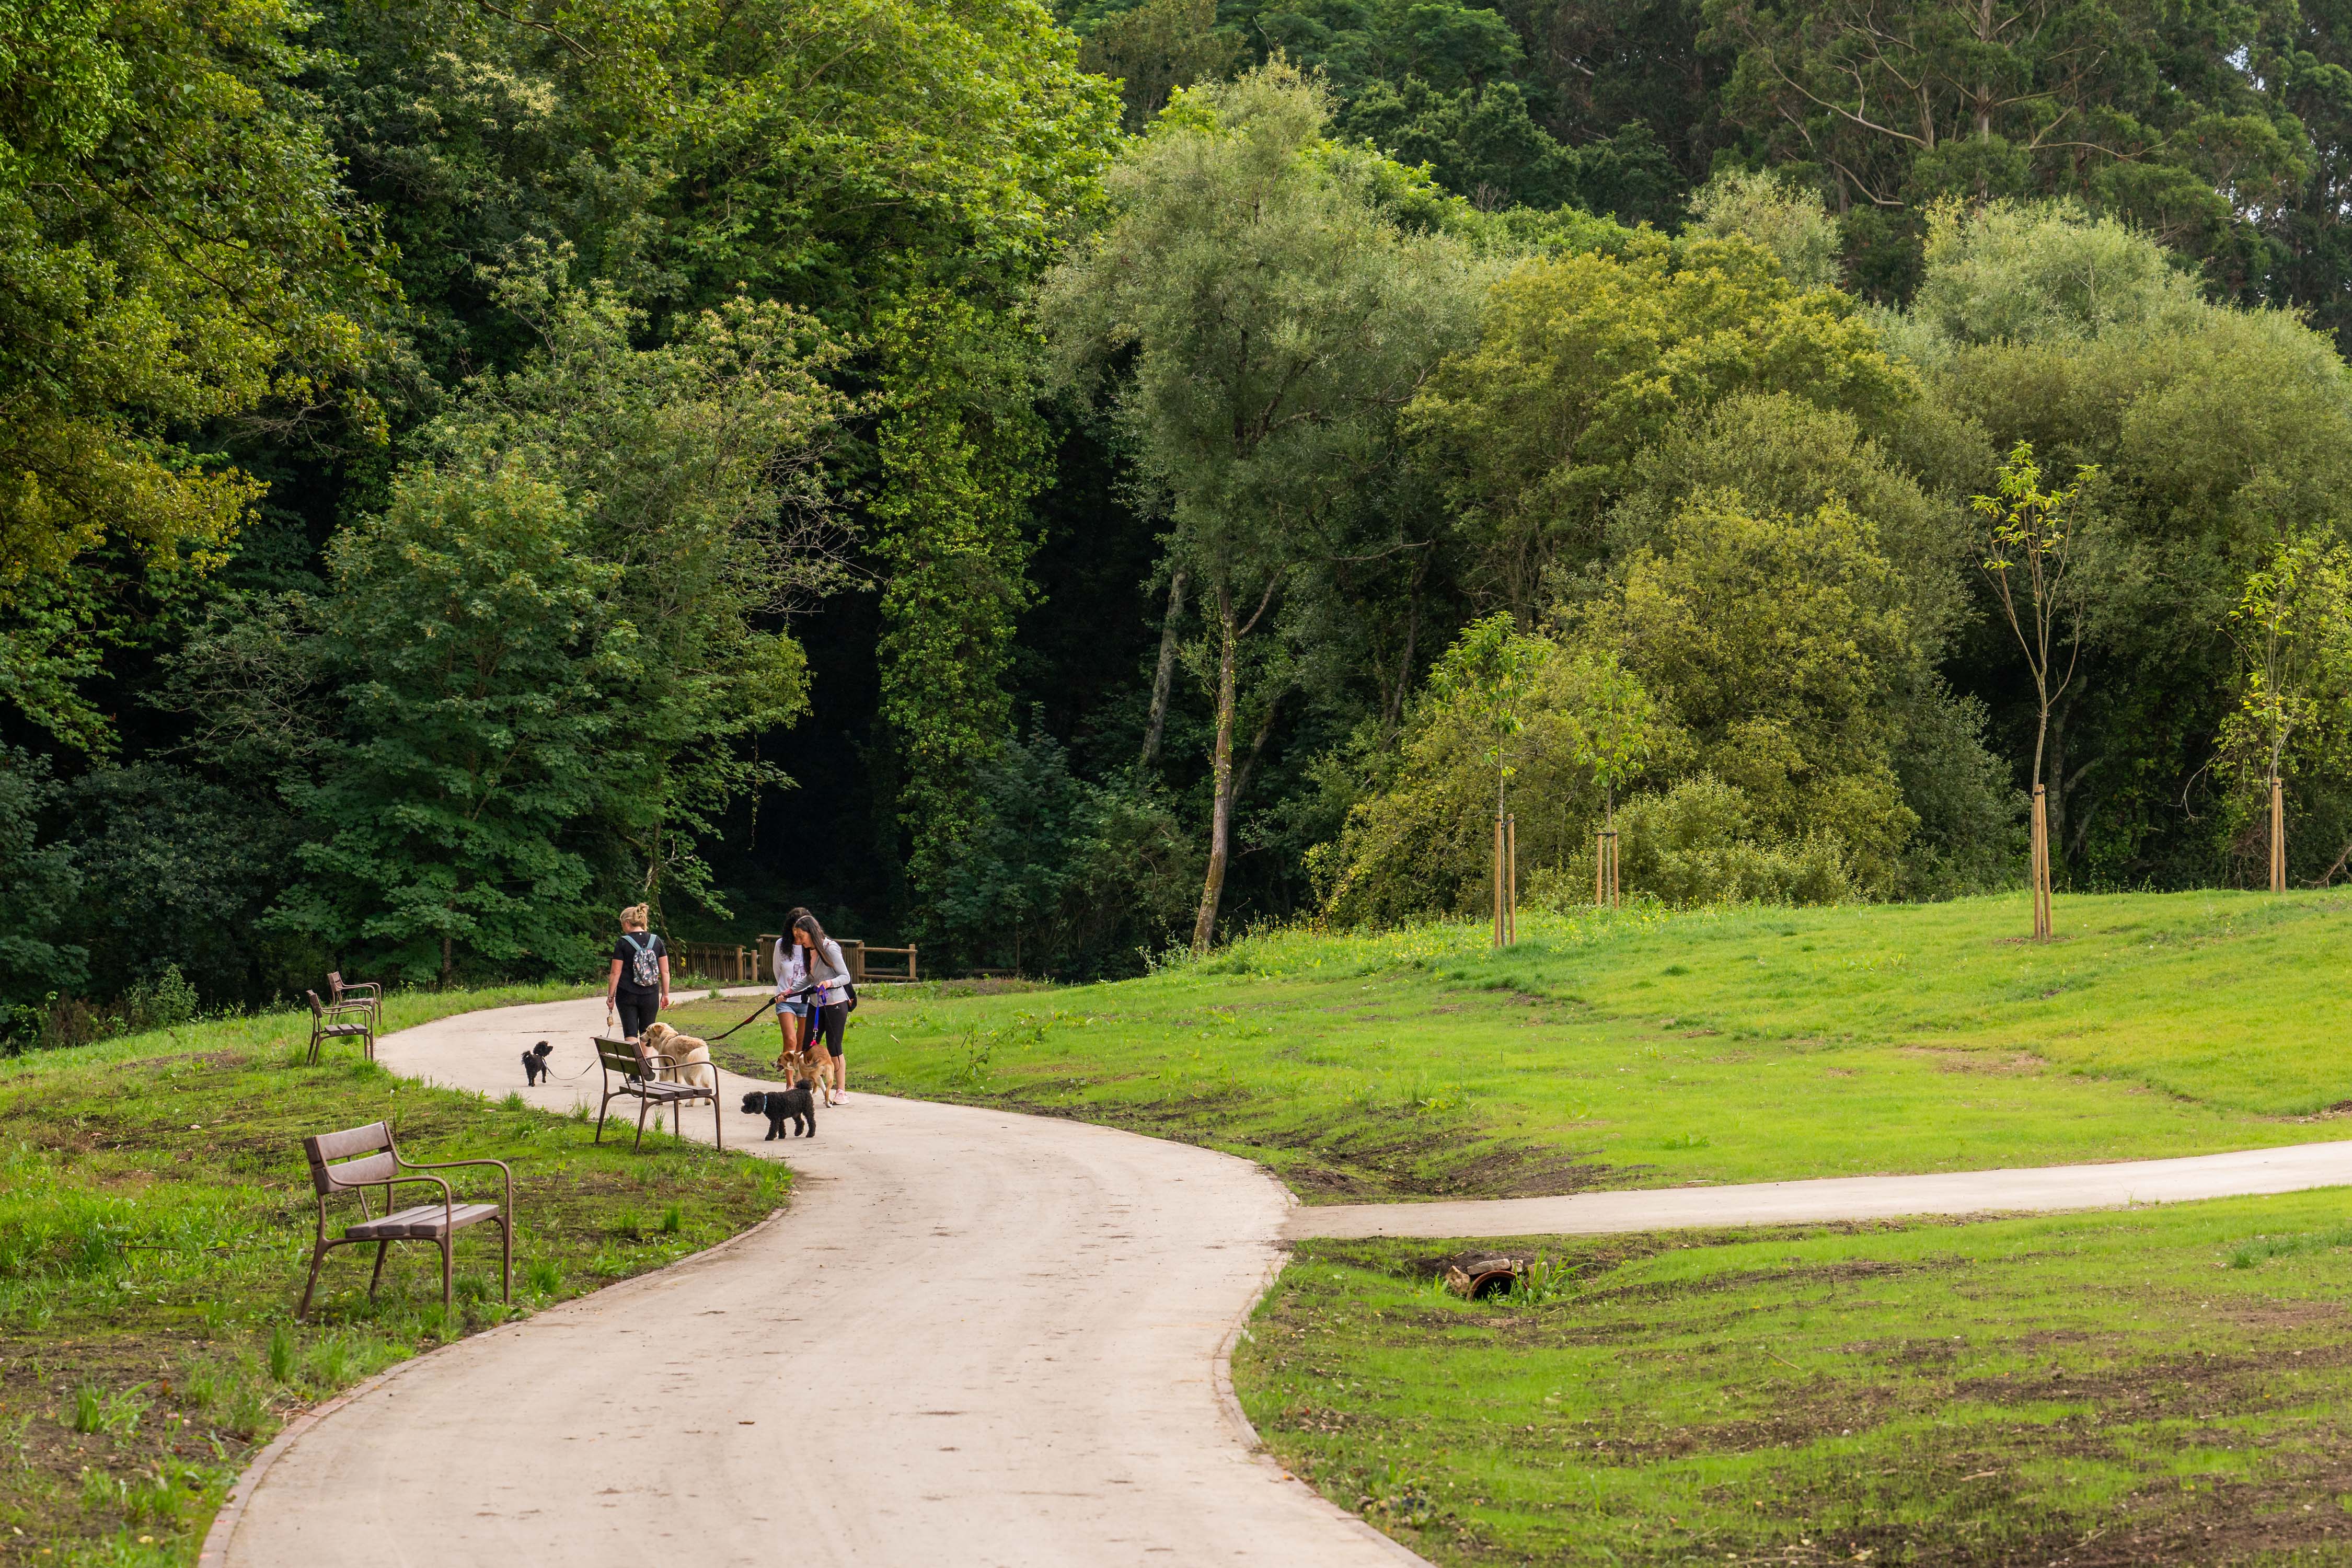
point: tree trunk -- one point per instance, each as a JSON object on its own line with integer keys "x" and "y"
{"x": 445, "y": 961}
{"x": 1166, "y": 670}
{"x": 1221, "y": 816}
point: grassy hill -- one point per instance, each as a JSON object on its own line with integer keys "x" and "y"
{"x": 1649, "y": 1047}
{"x": 155, "y": 1223}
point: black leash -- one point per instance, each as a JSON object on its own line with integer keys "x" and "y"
{"x": 763, "y": 1007}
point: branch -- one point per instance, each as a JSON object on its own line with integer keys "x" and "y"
{"x": 548, "y": 27}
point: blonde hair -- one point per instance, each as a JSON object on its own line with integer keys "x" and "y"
{"x": 636, "y": 917}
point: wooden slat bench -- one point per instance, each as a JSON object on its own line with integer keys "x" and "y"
{"x": 368, "y": 991}
{"x": 333, "y": 1022}
{"x": 363, "y": 1157}
{"x": 642, "y": 1075}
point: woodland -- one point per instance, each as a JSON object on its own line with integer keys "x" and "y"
{"x": 1056, "y": 485}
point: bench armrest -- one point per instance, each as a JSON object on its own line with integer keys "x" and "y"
{"x": 505, "y": 1169}
{"x": 332, "y": 1008}
{"x": 372, "y": 987}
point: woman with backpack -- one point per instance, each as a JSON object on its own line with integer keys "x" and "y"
{"x": 638, "y": 986}
{"x": 834, "y": 997}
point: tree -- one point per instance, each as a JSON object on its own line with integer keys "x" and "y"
{"x": 42, "y": 882}
{"x": 469, "y": 624}
{"x": 1275, "y": 322}
{"x": 1779, "y": 643}
{"x": 2217, "y": 430}
{"x": 2292, "y": 630}
{"x": 175, "y": 249}
{"x": 1778, "y": 214}
{"x": 1156, "y": 47}
{"x": 962, "y": 452}
{"x": 1582, "y": 361}
{"x": 545, "y": 646}
{"x": 1491, "y": 671}
{"x": 2029, "y": 532}
{"x": 1894, "y": 103}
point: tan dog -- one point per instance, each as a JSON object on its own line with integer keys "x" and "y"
{"x": 803, "y": 1068}
{"x": 691, "y": 1058}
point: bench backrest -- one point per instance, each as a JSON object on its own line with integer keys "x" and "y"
{"x": 352, "y": 1158}
{"x": 318, "y": 1008}
{"x": 627, "y": 1058}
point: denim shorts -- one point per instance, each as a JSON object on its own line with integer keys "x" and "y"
{"x": 798, "y": 1006}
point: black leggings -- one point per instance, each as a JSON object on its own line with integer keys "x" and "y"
{"x": 830, "y": 1020}
{"x": 637, "y": 1009}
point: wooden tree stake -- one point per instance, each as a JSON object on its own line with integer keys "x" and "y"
{"x": 2040, "y": 872}
{"x": 2278, "y": 833}
{"x": 1604, "y": 870}
{"x": 1510, "y": 879}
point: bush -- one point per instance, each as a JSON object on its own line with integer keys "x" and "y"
{"x": 1699, "y": 843}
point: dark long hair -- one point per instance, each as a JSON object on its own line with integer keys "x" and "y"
{"x": 804, "y": 921}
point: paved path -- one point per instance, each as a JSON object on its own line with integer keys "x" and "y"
{"x": 2286, "y": 1170}
{"x": 975, "y": 1339}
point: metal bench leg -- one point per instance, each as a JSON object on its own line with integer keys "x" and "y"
{"x": 381, "y": 1248}
{"x": 642, "y": 1104}
{"x": 318, "y": 1256}
{"x": 717, "y": 1128}
{"x": 600, "y": 1117}
{"x": 447, "y": 1299}
{"x": 506, "y": 1260}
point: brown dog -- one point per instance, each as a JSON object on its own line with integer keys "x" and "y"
{"x": 689, "y": 1058}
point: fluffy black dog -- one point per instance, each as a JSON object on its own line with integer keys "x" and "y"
{"x": 796, "y": 1106}
{"x": 534, "y": 1062}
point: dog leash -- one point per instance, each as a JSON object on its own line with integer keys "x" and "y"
{"x": 765, "y": 1006}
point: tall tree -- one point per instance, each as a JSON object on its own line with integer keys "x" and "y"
{"x": 175, "y": 249}
{"x": 1274, "y": 321}
{"x": 962, "y": 452}
{"x": 2154, "y": 114}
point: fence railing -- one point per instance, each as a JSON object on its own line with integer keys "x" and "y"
{"x": 750, "y": 966}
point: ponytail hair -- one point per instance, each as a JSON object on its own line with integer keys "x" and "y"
{"x": 636, "y": 917}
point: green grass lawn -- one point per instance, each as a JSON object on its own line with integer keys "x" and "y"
{"x": 1650, "y": 1048}
{"x": 155, "y": 1223}
{"x": 2152, "y": 1386}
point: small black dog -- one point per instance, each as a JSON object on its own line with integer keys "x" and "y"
{"x": 534, "y": 1062}
{"x": 782, "y": 1105}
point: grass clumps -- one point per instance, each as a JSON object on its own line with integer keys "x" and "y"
{"x": 2155, "y": 1385}
{"x": 155, "y": 1223}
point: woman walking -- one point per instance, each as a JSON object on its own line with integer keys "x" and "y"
{"x": 830, "y": 975}
{"x": 792, "y": 1005}
{"x": 638, "y": 984}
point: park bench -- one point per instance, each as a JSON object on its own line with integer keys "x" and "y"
{"x": 368, "y": 991}
{"x": 630, "y": 1070}
{"x": 330, "y": 1022}
{"x": 363, "y": 1157}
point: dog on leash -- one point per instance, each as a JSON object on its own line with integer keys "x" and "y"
{"x": 797, "y": 1106}
{"x": 690, "y": 1058}
{"x": 534, "y": 1064}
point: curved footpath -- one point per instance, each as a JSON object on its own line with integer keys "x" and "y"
{"x": 977, "y": 1339}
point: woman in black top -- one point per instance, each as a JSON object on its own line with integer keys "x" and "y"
{"x": 638, "y": 984}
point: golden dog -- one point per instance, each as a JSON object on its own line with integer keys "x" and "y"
{"x": 689, "y": 1058}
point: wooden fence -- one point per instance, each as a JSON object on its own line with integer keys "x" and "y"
{"x": 750, "y": 966}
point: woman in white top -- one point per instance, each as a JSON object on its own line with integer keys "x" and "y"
{"x": 793, "y": 1009}
{"x": 830, "y": 975}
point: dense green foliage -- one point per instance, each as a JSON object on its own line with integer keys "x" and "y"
{"x": 1010, "y": 477}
